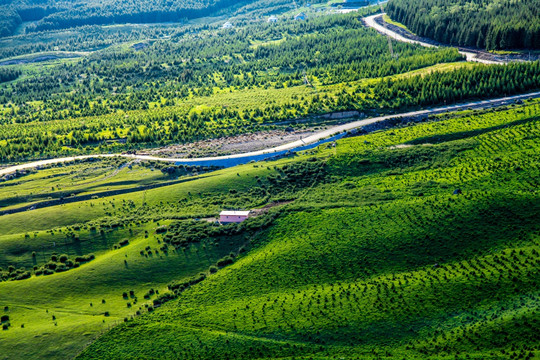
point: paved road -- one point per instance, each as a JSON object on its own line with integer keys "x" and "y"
{"x": 299, "y": 145}
{"x": 370, "y": 21}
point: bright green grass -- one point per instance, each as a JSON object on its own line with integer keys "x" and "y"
{"x": 398, "y": 24}
{"x": 68, "y": 295}
{"x": 384, "y": 263}
{"x": 347, "y": 270}
{"x": 66, "y": 181}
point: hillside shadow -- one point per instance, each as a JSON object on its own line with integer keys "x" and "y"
{"x": 437, "y": 139}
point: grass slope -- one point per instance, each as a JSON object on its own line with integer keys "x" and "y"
{"x": 380, "y": 260}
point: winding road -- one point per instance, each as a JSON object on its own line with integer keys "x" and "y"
{"x": 372, "y": 23}
{"x": 306, "y": 143}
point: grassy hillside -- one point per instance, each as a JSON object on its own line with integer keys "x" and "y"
{"x": 385, "y": 261}
{"x": 372, "y": 252}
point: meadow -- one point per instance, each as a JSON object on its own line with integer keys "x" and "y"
{"x": 368, "y": 251}
{"x": 385, "y": 260}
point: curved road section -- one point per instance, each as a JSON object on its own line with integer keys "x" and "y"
{"x": 309, "y": 142}
{"x": 372, "y": 23}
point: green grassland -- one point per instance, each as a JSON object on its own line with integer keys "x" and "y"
{"x": 390, "y": 21}
{"x": 369, "y": 253}
{"x": 385, "y": 261}
{"x": 93, "y": 177}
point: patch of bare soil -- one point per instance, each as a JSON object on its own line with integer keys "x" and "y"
{"x": 231, "y": 145}
{"x": 264, "y": 210}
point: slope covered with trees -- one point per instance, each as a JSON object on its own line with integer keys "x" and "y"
{"x": 207, "y": 83}
{"x": 61, "y": 14}
{"x": 485, "y": 24}
{"x": 188, "y": 87}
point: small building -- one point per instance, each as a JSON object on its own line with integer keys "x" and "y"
{"x": 227, "y": 25}
{"x": 233, "y": 216}
{"x": 301, "y": 16}
{"x": 272, "y": 19}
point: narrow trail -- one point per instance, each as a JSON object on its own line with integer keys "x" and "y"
{"x": 306, "y": 143}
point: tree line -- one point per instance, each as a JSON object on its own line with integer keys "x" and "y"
{"x": 330, "y": 49}
{"x": 53, "y": 14}
{"x": 486, "y": 24}
{"x": 181, "y": 125}
{"x": 9, "y": 74}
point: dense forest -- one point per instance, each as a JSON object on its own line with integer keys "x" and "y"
{"x": 143, "y": 97}
{"x": 487, "y": 24}
{"x": 51, "y": 15}
{"x": 182, "y": 124}
{"x": 9, "y": 74}
{"x": 9, "y": 20}
{"x": 175, "y": 91}
{"x": 121, "y": 97}
{"x": 458, "y": 85}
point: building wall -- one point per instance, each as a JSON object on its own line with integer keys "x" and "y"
{"x": 232, "y": 219}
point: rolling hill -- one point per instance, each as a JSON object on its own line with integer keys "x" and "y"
{"x": 367, "y": 250}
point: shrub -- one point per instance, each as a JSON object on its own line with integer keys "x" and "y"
{"x": 163, "y": 298}
{"x": 85, "y": 258}
{"x": 227, "y": 260}
{"x": 161, "y": 229}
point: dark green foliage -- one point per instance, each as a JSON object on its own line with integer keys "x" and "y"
{"x": 183, "y": 233}
{"x": 479, "y": 23}
{"x": 178, "y": 287}
{"x": 52, "y": 15}
{"x": 85, "y": 258}
{"x": 9, "y": 20}
{"x": 14, "y": 274}
{"x": 334, "y": 49}
{"x": 227, "y": 260}
{"x": 56, "y": 264}
{"x": 9, "y": 74}
{"x": 123, "y": 242}
{"x": 458, "y": 85}
{"x": 163, "y": 298}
